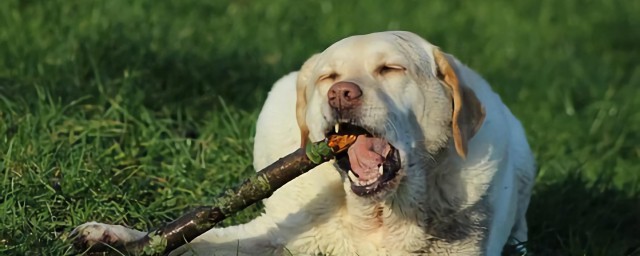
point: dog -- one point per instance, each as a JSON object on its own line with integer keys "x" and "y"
{"x": 440, "y": 165}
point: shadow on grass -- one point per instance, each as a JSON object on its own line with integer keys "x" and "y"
{"x": 126, "y": 70}
{"x": 183, "y": 79}
{"x": 573, "y": 217}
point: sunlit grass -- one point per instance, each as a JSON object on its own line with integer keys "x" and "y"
{"x": 132, "y": 112}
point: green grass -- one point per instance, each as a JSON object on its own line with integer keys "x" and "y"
{"x": 132, "y": 112}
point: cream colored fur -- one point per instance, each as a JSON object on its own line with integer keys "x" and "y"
{"x": 439, "y": 204}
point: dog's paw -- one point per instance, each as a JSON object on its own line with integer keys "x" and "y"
{"x": 92, "y": 233}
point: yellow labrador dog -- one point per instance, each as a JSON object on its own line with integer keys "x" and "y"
{"x": 440, "y": 165}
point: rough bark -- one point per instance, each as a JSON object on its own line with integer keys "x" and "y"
{"x": 258, "y": 187}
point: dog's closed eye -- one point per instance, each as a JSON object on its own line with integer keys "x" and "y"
{"x": 386, "y": 69}
{"x": 330, "y": 77}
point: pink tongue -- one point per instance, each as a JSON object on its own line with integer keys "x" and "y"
{"x": 366, "y": 154}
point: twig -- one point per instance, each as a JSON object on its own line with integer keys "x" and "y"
{"x": 258, "y": 187}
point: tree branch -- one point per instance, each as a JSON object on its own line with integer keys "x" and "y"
{"x": 260, "y": 186}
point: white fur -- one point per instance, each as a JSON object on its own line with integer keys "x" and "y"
{"x": 487, "y": 193}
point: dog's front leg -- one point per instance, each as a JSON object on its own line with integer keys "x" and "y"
{"x": 254, "y": 238}
{"x": 258, "y": 237}
{"x": 92, "y": 233}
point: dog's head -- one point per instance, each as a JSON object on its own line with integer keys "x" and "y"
{"x": 399, "y": 94}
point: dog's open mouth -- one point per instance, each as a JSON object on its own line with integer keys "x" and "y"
{"x": 370, "y": 163}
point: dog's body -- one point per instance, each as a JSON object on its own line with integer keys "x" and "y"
{"x": 454, "y": 169}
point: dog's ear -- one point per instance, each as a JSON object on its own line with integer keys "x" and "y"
{"x": 468, "y": 112}
{"x": 302, "y": 87}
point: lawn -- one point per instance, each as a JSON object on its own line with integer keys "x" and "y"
{"x": 132, "y": 112}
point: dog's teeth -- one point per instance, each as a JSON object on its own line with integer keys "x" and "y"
{"x": 380, "y": 170}
{"x": 352, "y": 176}
{"x": 336, "y": 128}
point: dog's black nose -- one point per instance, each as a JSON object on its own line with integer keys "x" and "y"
{"x": 344, "y": 96}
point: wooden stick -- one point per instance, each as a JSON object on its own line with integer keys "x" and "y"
{"x": 184, "y": 229}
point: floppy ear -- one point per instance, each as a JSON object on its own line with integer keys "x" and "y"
{"x": 468, "y": 112}
{"x": 302, "y": 85}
